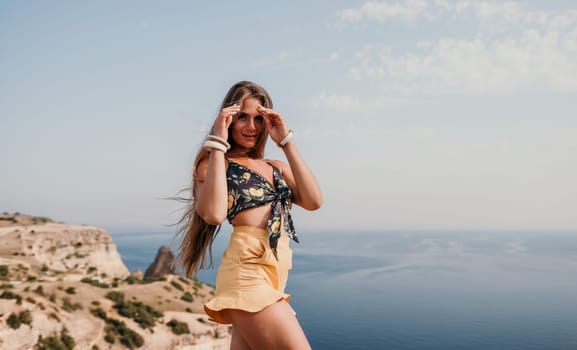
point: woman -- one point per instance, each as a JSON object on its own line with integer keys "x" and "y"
{"x": 231, "y": 180}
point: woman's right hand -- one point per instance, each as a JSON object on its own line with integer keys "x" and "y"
{"x": 224, "y": 119}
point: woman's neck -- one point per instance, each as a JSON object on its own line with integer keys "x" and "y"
{"x": 239, "y": 153}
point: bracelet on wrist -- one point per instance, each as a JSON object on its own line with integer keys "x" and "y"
{"x": 219, "y": 140}
{"x": 213, "y": 145}
{"x": 286, "y": 139}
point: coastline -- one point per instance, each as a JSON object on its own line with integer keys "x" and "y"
{"x": 61, "y": 281}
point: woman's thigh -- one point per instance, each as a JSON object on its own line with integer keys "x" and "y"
{"x": 237, "y": 342}
{"x": 274, "y": 327}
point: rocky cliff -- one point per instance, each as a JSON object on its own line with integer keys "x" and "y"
{"x": 67, "y": 285}
{"x": 164, "y": 264}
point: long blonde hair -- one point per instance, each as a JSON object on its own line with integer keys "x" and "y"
{"x": 197, "y": 235}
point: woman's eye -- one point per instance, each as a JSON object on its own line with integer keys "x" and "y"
{"x": 241, "y": 116}
{"x": 259, "y": 118}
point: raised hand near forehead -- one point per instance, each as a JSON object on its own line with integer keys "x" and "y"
{"x": 275, "y": 124}
{"x": 224, "y": 119}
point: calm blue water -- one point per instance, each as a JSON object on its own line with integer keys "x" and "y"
{"x": 421, "y": 290}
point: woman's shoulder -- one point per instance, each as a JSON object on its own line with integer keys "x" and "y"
{"x": 275, "y": 162}
{"x": 201, "y": 168}
{"x": 280, "y": 165}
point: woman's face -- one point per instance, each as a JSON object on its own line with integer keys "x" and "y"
{"x": 248, "y": 124}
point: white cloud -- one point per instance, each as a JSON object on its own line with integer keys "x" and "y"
{"x": 510, "y": 10}
{"x": 514, "y": 49}
{"x": 485, "y": 12}
{"x": 381, "y": 11}
{"x": 533, "y": 61}
{"x": 508, "y": 13}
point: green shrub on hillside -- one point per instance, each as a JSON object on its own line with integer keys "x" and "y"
{"x": 68, "y": 306}
{"x": 187, "y": 297}
{"x": 4, "y": 271}
{"x": 56, "y": 342}
{"x": 177, "y": 286}
{"x": 39, "y": 290}
{"x": 6, "y": 286}
{"x": 118, "y": 329}
{"x": 99, "y": 312}
{"x": 25, "y": 317}
{"x": 109, "y": 337}
{"x": 6, "y": 294}
{"x": 40, "y": 220}
{"x": 142, "y": 314}
{"x": 10, "y": 219}
{"x": 134, "y": 280}
{"x": 183, "y": 280}
{"x": 178, "y": 327}
{"x": 94, "y": 282}
{"x": 117, "y": 297}
{"x": 13, "y": 321}
{"x": 153, "y": 279}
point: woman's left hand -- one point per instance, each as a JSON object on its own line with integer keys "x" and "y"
{"x": 275, "y": 124}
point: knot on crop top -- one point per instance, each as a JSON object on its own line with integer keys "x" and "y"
{"x": 248, "y": 189}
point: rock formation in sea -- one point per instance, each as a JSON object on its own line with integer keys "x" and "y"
{"x": 66, "y": 284}
{"x": 162, "y": 265}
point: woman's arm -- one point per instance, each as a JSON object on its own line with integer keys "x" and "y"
{"x": 300, "y": 178}
{"x": 211, "y": 195}
{"x": 210, "y": 181}
{"x": 298, "y": 175}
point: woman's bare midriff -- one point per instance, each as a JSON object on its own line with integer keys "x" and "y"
{"x": 256, "y": 217}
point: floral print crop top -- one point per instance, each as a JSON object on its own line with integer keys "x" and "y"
{"x": 248, "y": 189}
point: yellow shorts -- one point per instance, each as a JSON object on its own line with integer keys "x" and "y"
{"x": 249, "y": 277}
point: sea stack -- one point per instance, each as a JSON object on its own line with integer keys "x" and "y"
{"x": 162, "y": 265}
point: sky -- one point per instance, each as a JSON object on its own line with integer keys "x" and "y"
{"x": 415, "y": 114}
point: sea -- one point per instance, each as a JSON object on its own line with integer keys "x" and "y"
{"x": 419, "y": 289}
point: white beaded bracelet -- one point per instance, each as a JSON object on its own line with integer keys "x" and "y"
{"x": 215, "y": 145}
{"x": 218, "y": 139}
{"x": 286, "y": 139}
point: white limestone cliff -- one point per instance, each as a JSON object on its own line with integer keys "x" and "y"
{"x": 64, "y": 248}
{"x": 56, "y": 277}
